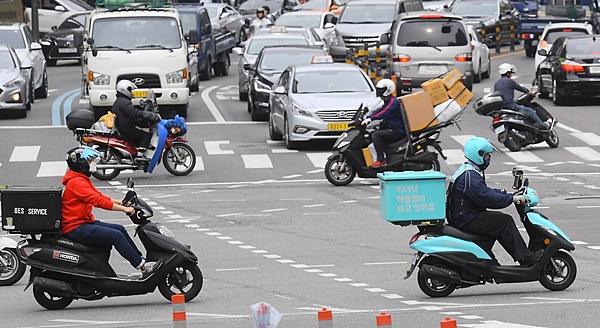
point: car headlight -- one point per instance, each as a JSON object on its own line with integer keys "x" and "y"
{"x": 17, "y": 82}
{"x": 299, "y": 111}
{"x": 164, "y": 231}
{"x": 333, "y": 40}
{"x": 260, "y": 86}
{"x": 177, "y": 76}
{"x": 101, "y": 79}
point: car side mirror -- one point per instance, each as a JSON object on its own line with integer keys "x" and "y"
{"x": 543, "y": 52}
{"x": 36, "y": 46}
{"x": 224, "y": 15}
{"x": 249, "y": 67}
{"x": 280, "y": 90}
{"x": 60, "y": 8}
{"x": 247, "y": 22}
{"x": 25, "y": 66}
{"x": 90, "y": 41}
{"x": 384, "y": 38}
{"x": 193, "y": 37}
{"x": 328, "y": 25}
{"x": 54, "y": 28}
{"x": 237, "y": 51}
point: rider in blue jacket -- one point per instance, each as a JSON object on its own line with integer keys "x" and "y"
{"x": 391, "y": 114}
{"x": 471, "y": 198}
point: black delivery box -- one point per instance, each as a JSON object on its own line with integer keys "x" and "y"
{"x": 82, "y": 118}
{"x": 31, "y": 210}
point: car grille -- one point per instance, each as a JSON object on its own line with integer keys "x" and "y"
{"x": 351, "y": 41}
{"x": 336, "y": 115}
{"x": 143, "y": 81}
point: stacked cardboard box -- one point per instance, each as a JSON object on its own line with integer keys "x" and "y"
{"x": 419, "y": 110}
{"x": 436, "y": 90}
{"x": 457, "y": 90}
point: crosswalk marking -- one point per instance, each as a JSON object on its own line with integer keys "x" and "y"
{"x": 455, "y": 156}
{"x": 585, "y": 153}
{"x": 52, "y": 169}
{"x": 318, "y": 159}
{"x": 524, "y": 156}
{"x": 589, "y": 138}
{"x": 462, "y": 139}
{"x": 25, "y": 154}
{"x": 258, "y": 161}
{"x": 214, "y": 147}
{"x": 199, "y": 164}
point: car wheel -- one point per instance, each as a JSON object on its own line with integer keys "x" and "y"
{"x": 542, "y": 89}
{"x": 42, "y": 91}
{"x": 469, "y": 83}
{"x": 243, "y": 96}
{"x": 557, "y": 99}
{"x": 286, "y": 135}
{"x": 223, "y": 67}
{"x": 196, "y": 86}
{"x": 30, "y": 92}
{"x": 206, "y": 73}
{"x": 51, "y": 62}
{"x": 274, "y": 135}
{"x": 488, "y": 73}
{"x": 477, "y": 77}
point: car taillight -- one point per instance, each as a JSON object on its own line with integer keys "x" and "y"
{"x": 464, "y": 57}
{"x": 400, "y": 58}
{"x": 526, "y": 36}
{"x": 567, "y": 30}
{"x": 431, "y": 16}
{"x": 496, "y": 119}
{"x": 572, "y": 68}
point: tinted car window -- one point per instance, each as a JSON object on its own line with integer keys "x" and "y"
{"x": 583, "y": 47}
{"x": 256, "y": 45}
{"x": 330, "y": 82}
{"x": 471, "y": 8}
{"x": 12, "y": 38}
{"x": 277, "y": 61}
{"x": 300, "y": 20}
{"x": 432, "y": 33}
{"x": 358, "y": 14}
{"x": 315, "y": 4}
{"x": 551, "y": 36}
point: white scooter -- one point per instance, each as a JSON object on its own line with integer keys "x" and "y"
{"x": 11, "y": 268}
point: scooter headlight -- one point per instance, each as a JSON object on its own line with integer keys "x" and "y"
{"x": 165, "y": 232}
{"x": 340, "y": 139}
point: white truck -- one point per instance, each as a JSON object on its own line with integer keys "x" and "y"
{"x": 142, "y": 43}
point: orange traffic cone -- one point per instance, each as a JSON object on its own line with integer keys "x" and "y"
{"x": 384, "y": 320}
{"x": 179, "y": 317}
{"x": 448, "y": 323}
{"x": 325, "y": 318}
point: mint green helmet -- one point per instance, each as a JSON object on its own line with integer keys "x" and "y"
{"x": 476, "y": 148}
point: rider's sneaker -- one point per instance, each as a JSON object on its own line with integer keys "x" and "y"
{"x": 541, "y": 126}
{"x": 378, "y": 164}
{"x": 151, "y": 267}
{"x": 531, "y": 258}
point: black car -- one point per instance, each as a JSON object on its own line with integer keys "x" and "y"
{"x": 66, "y": 40}
{"x": 270, "y": 63}
{"x": 571, "y": 69}
{"x": 486, "y": 14}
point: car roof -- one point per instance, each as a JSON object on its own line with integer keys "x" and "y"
{"x": 567, "y": 25}
{"x": 285, "y": 48}
{"x": 325, "y": 67}
{"x": 8, "y": 26}
{"x": 576, "y": 37}
{"x": 295, "y": 31}
{"x": 372, "y": 2}
{"x": 305, "y": 13}
{"x": 430, "y": 14}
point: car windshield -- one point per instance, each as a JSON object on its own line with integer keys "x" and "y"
{"x": 6, "y": 60}
{"x": 249, "y": 7}
{"x": 256, "y": 46}
{"x": 13, "y": 38}
{"x": 315, "y": 5}
{"x": 475, "y": 9}
{"x": 313, "y": 21}
{"x": 365, "y": 14}
{"x": 136, "y": 33}
{"x": 432, "y": 34}
{"x": 277, "y": 62}
{"x": 76, "y": 22}
{"x": 212, "y": 11}
{"x": 77, "y": 5}
{"x": 552, "y": 35}
{"x": 330, "y": 81}
{"x": 583, "y": 47}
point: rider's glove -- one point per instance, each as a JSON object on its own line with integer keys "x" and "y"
{"x": 519, "y": 199}
{"x": 366, "y": 121}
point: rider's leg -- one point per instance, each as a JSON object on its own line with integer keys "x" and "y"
{"x": 530, "y": 113}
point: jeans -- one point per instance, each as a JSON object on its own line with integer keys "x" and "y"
{"x": 383, "y": 136}
{"x": 530, "y": 113}
{"x": 107, "y": 234}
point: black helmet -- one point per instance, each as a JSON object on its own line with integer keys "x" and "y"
{"x": 267, "y": 9}
{"x": 78, "y": 157}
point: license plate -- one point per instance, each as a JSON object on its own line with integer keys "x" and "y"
{"x": 499, "y": 129}
{"x": 337, "y": 126}
{"x": 594, "y": 69}
{"x": 432, "y": 69}
{"x": 67, "y": 50}
{"x": 139, "y": 93}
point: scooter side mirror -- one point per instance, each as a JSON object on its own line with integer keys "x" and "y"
{"x": 526, "y": 183}
{"x": 518, "y": 182}
{"x": 130, "y": 183}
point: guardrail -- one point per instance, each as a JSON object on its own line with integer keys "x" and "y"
{"x": 499, "y": 34}
{"x": 374, "y": 65}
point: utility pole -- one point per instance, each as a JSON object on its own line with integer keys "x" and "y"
{"x": 35, "y": 26}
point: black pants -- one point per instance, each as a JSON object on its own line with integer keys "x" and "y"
{"x": 138, "y": 137}
{"x": 383, "y": 136}
{"x": 501, "y": 227}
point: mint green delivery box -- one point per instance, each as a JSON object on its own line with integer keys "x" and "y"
{"x": 412, "y": 197}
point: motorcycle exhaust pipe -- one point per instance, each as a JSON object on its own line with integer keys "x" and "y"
{"x": 438, "y": 273}
{"x": 116, "y": 166}
{"x": 58, "y": 287}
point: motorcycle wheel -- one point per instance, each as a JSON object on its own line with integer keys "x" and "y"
{"x": 15, "y": 269}
{"x": 180, "y": 159}
{"x": 435, "y": 165}
{"x": 552, "y": 140}
{"x": 512, "y": 143}
{"x": 47, "y": 299}
{"x": 108, "y": 156}
{"x": 339, "y": 172}
{"x": 559, "y": 273}
{"x": 185, "y": 279}
{"x": 432, "y": 287}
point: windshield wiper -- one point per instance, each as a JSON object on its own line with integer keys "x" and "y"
{"x": 112, "y": 47}
{"x": 154, "y": 46}
{"x": 421, "y": 44}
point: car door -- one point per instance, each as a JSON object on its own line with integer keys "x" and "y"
{"x": 35, "y": 56}
{"x": 552, "y": 64}
{"x": 278, "y": 101}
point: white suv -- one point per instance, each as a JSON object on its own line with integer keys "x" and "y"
{"x": 53, "y": 12}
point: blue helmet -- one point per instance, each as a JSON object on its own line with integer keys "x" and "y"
{"x": 476, "y": 148}
{"x": 77, "y": 158}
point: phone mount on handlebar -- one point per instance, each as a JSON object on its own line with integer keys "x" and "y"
{"x": 142, "y": 210}
{"x": 518, "y": 182}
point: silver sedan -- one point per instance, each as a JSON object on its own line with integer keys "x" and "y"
{"x": 15, "y": 82}
{"x": 316, "y": 101}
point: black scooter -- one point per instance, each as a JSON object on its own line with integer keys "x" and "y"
{"x": 449, "y": 258}
{"x": 410, "y": 153}
{"x": 514, "y": 129}
{"x": 63, "y": 270}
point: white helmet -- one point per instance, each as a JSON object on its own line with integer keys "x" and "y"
{"x": 506, "y": 68}
{"x": 385, "y": 87}
{"x": 125, "y": 87}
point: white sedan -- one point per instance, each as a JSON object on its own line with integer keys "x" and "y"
{"x": 322, "y": 22}
{"x": 480, "y": 57}
{"x": 554, "y": 31}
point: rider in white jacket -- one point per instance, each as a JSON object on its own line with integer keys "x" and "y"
{"x": 260, "y": 21}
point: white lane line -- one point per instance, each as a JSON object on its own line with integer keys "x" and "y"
{"x": 568, "y": 128}
{"x": 313, "y": 205}
{"x": 343, "y": 279}
{"x": 524, "y": 156}
{"x": 303, "y": 266}
{"x": 52, "y": 169}
{"x": 360, "y": 284}
{"x": 275, "y": 210}
{"x": 210, "y": 105}
{"x": 461, "y": 139}
{"x": 257, "y": 161}
{"x": 455, "y": 156}
{"x": 392, "y": 296}
{"x": 586, "y": 153}
{"x": 199, "y": 164}
{"x": 246, "y": 247}
{"x": 588, "y": 206}
{"x": 214, "y": 147}
{"x": 383, "y": 263}
{"x": 25, "y": 154}
{"x": 594, "y": 247}
{"x": 236, "y": 269}
{"x": 260, "y": 251}
{"x": 327, "y": 275}
{"x": 236, "y": 242}
{"x": 589, "y": 138}
{"x": 318, "y": 159}
{"x": 283, "y": 151}
{"x": 375, "y": 290}
{"x": 272, "y": 256}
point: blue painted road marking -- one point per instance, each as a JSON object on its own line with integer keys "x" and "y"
{"x": 57, "y": 104}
